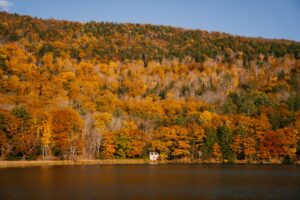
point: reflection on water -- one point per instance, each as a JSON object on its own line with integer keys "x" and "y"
{"x": 180, "y": 181}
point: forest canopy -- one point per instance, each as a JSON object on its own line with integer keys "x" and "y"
{"x": 102, "y": 90}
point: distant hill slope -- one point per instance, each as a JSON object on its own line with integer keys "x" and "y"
{"x": 102, "y": 90}
{"x": 135, "y": 41}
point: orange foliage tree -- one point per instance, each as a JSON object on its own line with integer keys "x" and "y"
{"x": 67, "y": 128}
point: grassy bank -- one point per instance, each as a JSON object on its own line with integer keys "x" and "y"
{"x": 30, "y": 163}
{"x": 27, "y": 163}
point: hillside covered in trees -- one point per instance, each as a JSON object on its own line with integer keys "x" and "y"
{"x": 93, "y": 90}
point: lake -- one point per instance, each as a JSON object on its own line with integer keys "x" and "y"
{"x": 168, "y": 181}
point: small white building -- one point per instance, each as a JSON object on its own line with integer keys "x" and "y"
{"x": 153, "y": 156}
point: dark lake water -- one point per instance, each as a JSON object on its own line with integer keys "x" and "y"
{"x": 173, "y": 181}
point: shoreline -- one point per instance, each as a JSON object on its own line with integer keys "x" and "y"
{"x": 36, "y": 163}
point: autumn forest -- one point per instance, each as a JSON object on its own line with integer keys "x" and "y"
{"x": 98, "y": 90}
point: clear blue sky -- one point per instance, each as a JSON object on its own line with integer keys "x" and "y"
{"x": 265, "y": 18}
